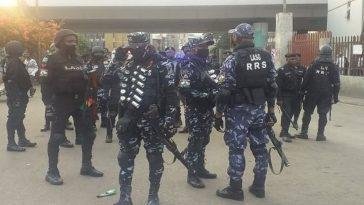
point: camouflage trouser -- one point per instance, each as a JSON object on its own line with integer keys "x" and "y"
{"x": 130, "y": 133}
{"x": 245, "y": 122}
{"x": 199, "y": 123}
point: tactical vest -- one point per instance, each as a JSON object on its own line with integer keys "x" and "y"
{"x": 321, "y": 77}
{"x": 140, "y": 87}
{"x": 251, "y": 75}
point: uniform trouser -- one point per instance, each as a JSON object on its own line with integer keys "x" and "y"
{"x": 297, "y": 106}
{"x": 199, "y": 123}
{"x": 323, "y": 103}
{"x": 243, "y": 123}
{"x": 82, "y": 118}
{"x": 131, "y": 132}
{"x": 16, "y": 115}
{"x": 112, "y": 112}
{"x": 287, "y": 112}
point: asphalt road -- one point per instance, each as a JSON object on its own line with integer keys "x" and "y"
{"x": 322, "y": 173}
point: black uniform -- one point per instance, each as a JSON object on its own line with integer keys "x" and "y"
{"x": 17, "y": 84}
{"x": 69, "y": 86}
{"x": 289, "y": 83}
{"x": 321, "y": 85}
{"x": 110, "y": 82}
{"x": 297, "y": 106}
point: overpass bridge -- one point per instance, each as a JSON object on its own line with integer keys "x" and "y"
{"x": 172, "y": 16}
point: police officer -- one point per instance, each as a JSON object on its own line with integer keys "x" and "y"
{"x": 69, "y": 85}
{"x": 288, "y": 98}
{"x": 174, "y": 69}
{"x": 147, "y": 104}
{"x": 247, "y": 82}
{"x": 17, "y": 84}
{"x": 111, "y": 87}
{"x": 320, "y": 87}
{"x": 301, "y": 71}
{"x": 200, "y": 101}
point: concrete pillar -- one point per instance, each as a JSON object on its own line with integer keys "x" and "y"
{"x": 261, "y": 34}
{"x": 283, "y": 35}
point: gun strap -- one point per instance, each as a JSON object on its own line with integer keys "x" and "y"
{"x": 271, "y": 164}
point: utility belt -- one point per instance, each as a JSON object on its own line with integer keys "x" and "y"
{"x": 255, "y": 96}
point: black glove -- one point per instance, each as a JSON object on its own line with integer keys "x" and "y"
{"x": 218, "y": 123}
{"x": 271, "y": 119}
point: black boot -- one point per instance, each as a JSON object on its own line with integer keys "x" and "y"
{"x": 321, "y": 127}
{"x": 202, "y": 172}
{"x": 88, "y": 170}
{"x": 124, "y": 201}
{"x": 194, "y": 181}
{"x": 14, "y": 148}
{"x": 23, "y": 141}
{"x": 257, "y": 188}
{"x": 153, "y": 198}
{"x": 53, "y": 177}
{"x": 286, "y": 137}
{"x": 67, "y": 144}
{"x": 233, "y": 191}
{"x": 305, "y": 123}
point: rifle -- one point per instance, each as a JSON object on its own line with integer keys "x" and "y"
{"x": 169, "y": 143}
{"x": 278, "y": 147}
{"x": 295, "y": 126}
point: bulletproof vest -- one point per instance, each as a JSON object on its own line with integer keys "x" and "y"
{"x": 70, "y": 76}
{"x": 321, "y": 77}
{"x": 251, "y": 74}
{"x": 20, "y": 79}
{"x": 140, "y": 87}
{"x": 291, "y": 80}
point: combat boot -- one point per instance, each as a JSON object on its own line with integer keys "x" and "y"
{"x": 124, "y": 201}
{"x": 88, "y": 170}
{"x": 194, "y": 181}
{"x": 257, "y": 188}
{"x": 286, "y": 137}
{"x": 153, "y": 198}
{"x": 24, "y": 142}
{"x": 201, "y": 170}
{"x": 67, "y": 144}
{"x": 53, "y": 177}
{"x": 108, "y": 139}
{"x": 233, "y": 191}
{"x": 321, "y": 137}
{"x": 15, "y": 148}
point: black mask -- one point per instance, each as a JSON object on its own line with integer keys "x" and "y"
{"x": 70, "y": 49}
{"x": 203, "y": 52}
